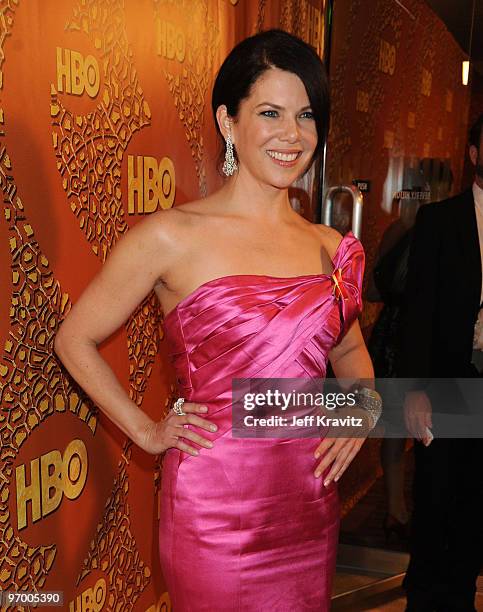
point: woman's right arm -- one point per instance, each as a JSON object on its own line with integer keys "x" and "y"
{"x": 134, "y": 266}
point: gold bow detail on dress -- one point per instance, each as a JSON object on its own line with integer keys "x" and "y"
{"x": 339, "y": 290}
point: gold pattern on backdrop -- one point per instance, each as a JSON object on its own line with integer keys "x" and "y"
{"x": 90, "y": 148}
{"x": 89, "y": 151}
{"x": 32, "y": 386}
{"x": 113, "y": 549}
{"x": 31, "y": 393}
{"x": 195, "y": 56}
{"x": 303, "y": 19}
{"x": 260, "y": 16}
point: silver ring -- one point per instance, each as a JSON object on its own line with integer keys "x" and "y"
{"x": 178, "y": 406}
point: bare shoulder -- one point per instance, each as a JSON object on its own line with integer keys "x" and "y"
{"x": 330, "y": 238}
{"x": 172, "y": 236}
{"x": 159, "y": 238}
{"x": 155, "y": 231}
{"x": 165, "y": 228}
{"x": 194, "y": 207}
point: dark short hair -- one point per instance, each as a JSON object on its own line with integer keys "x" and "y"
{"x": 253, "y": 56}
{"x": 475, "y": 132}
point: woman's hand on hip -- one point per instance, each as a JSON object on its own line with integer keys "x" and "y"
{"x": 171, "y": 432}
{"x": 339, "y": 453}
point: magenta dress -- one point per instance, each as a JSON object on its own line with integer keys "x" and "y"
{"x": 245, "y": 525}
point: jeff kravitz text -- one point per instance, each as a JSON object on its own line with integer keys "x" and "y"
{"x": 309, "y": 420}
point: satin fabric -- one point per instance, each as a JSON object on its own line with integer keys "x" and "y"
{"x": 245, "y": 525}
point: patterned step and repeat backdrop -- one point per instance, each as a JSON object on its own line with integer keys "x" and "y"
{"x": 104, "y": 118}
{"x": 399, "y": 125}
{"x": 399, "y": 111}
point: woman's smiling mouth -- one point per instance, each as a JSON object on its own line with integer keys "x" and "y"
{"x": 284, "y": 159}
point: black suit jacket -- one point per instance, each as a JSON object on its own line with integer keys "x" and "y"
{"x": 443, "y": 290}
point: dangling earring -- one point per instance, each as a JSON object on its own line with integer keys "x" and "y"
{"x": 230, "y": 166}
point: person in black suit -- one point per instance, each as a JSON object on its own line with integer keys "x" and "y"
{"x": 440, "y": 339}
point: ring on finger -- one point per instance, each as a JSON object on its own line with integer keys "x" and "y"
{"x": 178, "y": 406}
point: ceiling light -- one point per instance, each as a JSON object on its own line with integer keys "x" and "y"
{"x": 465, "y": 72}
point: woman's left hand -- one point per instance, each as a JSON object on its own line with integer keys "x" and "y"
{"x": 338, "y": 452}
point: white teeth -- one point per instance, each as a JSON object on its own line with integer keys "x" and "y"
{"x": 287, "y": 157}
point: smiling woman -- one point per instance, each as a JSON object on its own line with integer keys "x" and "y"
{"x": 250, "y": 289}
{"x": 274, "y": 129}
{"x": 287, "y": 83}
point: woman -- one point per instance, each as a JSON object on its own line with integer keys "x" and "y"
{"x": 248, "y": 289}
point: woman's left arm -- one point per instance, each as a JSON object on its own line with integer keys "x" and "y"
{"x": 349, "y": 360}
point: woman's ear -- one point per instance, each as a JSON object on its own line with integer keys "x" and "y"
{"x": 224, "y": 121}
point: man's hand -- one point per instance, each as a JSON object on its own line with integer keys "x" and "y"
{"x": 418, "y": 416}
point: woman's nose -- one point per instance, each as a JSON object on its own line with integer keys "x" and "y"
{"x": 290, "y": 131}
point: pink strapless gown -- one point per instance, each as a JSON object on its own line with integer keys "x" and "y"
{"x": 245, "y": 525}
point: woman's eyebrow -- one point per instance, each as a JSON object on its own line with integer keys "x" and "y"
{"x": 269, "y": 104}
{"x": 279, "y": 107}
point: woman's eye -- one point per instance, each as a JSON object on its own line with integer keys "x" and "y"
{"x": 269, "y": 113}
{"x": 307, "y": 115}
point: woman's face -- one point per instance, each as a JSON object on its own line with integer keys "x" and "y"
{"x": 275, "y": 133}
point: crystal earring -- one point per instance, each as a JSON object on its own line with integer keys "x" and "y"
{"x": 230, "y": 166}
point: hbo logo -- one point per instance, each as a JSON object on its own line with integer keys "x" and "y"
{"x": 90, "y": 600}
{"x": 387, "y": 57}
{"x": 76, "y": 74}
{"x": 170, "y": 41}
{"x": 51, "y": 476}
{"x": 152, "y": 184}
